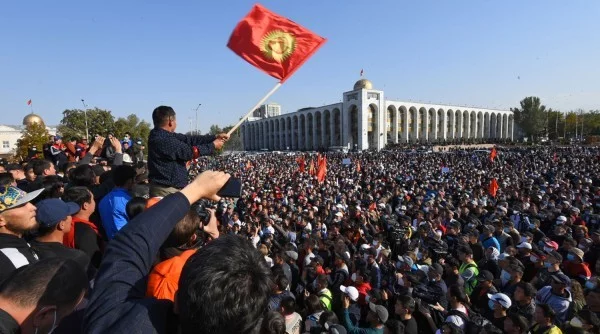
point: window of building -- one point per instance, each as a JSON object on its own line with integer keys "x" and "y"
{"x": 5, "y": 144}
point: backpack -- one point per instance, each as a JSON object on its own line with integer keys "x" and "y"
{"x": 474, "y": 322}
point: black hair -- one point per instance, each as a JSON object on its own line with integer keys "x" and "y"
{"x": 282, "y": 282}
{"x": 50, "y": 281}
{"x": 528, "y": 289}
{"x": 79, "y": 195}
{"x": 39, "y": 166}
{"x": 313, "y": 304}
{"x": 288, "y": 305}
{"x": 183, "y": 230}
{"x": 53, "y": 187}
{"x": 452, "y": 262}
{"x": 395, "y": 326}
{"x": 590, "y": 317}
{"x": 407, "y": 302}
{"x": 161, "y": 115}
{"x": 518, "y": 321}
{"x": 122, "y": 174}
{"x": 82, "y": 176}
{"x": 548, "y": 311}
{"x": 273, "y": 323}
{"x": 458, "y": 292}
{"x": 224, "y": 288}
{"x": 6, "y": 179}
{"x": 135, "y": 206}
{"x": 328, "y": 316}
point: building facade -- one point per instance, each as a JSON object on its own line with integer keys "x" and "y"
{"x": 267, "y": 110}
{"x": 366, "y": 120}
{"x": 9, "y": 135}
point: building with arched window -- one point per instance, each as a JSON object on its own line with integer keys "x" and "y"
{"x": 366, "y": 120}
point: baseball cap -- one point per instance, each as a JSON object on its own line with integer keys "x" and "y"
{"x": 552, "y": 244}
{"x": 12, "y": 197}
{"x": 381, "y": 312}
{"x": 485, "y": 275}
{"x": 501, "y": 298}
{"x": 54, "y": 210}
{"x": 436, "y": 268}
{"x": 350, "y": 291}
{"x": 525, "y": 245}
{"x": 561, "y": 219}
{"x": 293, "y": 255}
{"x": 561, "y": 278}
{"x": 577, "y": 252}
{"x": 556, "y": 255}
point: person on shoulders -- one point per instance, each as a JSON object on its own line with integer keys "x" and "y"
{"x": 112, "y": 207}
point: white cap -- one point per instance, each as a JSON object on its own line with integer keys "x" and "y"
{"x": 561, "y": 219}
{"x": 524, "y": 245}
{"x": 501, "y": 298}
{"x": 350, "y": 291}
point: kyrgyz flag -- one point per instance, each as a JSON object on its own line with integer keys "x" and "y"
{"x": 273, "y": 43}
{"x": 311, "y": 168}
{"x": 493, "y": 154}
{"x": 493, "y": 187}
{"x": 29, "y": 102}
{"x": 301, "y": 164}
{"x": 322, "y": 171}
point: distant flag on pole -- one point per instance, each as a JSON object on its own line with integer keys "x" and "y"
{"x": 29, "y": 102}
{"x": 322, "y": 170}
{"x": 493, "y": 189}
{"x": 361, "y": 72}
{"x": 493, "y": 154}
{"x": 272, "y": 43}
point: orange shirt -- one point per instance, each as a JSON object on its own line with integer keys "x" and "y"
{"x": 163, "y": 281}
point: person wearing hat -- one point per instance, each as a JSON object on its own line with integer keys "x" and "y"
{"x": 436, "y": 285}
{"x": 479, "y": 297}
{"x": 54, "y": 222}
{"x": 575, "y": 267}
{"x": 498, "y": 304}
{"x": 552, "y": 263}
{"x": 376, "y": 318}
{"x": 557, "y": 296}
{"x": 17, "y": 216}
{"x": 351, "y": 295}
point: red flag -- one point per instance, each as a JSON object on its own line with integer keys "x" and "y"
{"x": 493, "y": 187}
{"x": 358, "y": 166}
{"x": 322, "y": 170}
{"x": 493, "y": 154}
{"x": 361, "y": 72}
{"x": 273, "y": 43}
{"x": 29, "y": 102}
{"x": 311, "y": 168}
{"x": 301, "y": 164}
{"x": 248, "y": 165}
{"x": 555, "y": 159}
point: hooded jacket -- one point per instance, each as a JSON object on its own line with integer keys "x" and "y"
{"x": 560, "y": 304}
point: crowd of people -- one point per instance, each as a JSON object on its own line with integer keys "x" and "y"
{"x": 401, "y": 241}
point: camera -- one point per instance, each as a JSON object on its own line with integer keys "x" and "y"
{"x": 201, "y": 208}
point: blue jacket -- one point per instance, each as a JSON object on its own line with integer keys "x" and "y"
{"x": 491, "y": 241}
{"x": 118, "y": 302}
{"x": 112, "y": 211}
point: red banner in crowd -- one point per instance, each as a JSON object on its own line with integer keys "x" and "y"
{"x": 493, "y": 187}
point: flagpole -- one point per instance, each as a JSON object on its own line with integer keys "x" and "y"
{"x": 243, "y": 119}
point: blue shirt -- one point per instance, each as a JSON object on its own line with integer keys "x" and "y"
{"x": 118, "y": 302}
{"x": 112, "y": 211}
{"x": 168, "y": 152}
{"x": 491, "y": 241}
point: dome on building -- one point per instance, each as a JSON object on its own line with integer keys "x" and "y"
{"x": 363, "y": 84}
{"x": 31, "y": 119}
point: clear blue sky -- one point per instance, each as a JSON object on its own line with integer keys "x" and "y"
{"x": 130, "y": 56}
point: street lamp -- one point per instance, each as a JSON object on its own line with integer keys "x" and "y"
{"x": 87, "y": 135}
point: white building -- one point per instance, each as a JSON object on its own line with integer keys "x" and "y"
{"x": 9, "y": 135}
{"x": 267, "y": 110}
{"x": 366, "y": 120}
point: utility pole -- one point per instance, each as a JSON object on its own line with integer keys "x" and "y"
{"x": 87, "y": 135}
{"x": 556, "y": 125}
{"x": 199, "y": 104}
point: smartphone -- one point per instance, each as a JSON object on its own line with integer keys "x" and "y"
{"x": 232, "y": 188}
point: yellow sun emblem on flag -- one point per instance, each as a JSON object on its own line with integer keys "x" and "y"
{"x": 278, "y": 45}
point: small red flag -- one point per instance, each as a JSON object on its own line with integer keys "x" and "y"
{"x": 555, "y": 159}
{"x": 361, "y": 72}
{"x": 493, "y": 187}
{"x": 493, "y": 154}
{"x": 322, "y": 169}
{"x": 301, "y": 164}
{"x": 358, "y": 166}
{"x": 273, "y": 43}
{"x": 311, "y": 168}
{"x": 248, "y": 165}
{"x": 29, "y": 102}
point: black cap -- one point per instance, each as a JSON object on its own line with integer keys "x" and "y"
{"x": 437, "y": 268}
{"x": 485, "y": 275}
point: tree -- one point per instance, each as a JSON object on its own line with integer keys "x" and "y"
{"x": 133, "y": 125}
{"x": 235, "y": 141}
{"x": 99, "y": 122}
{"x": 35, "y": 136}
{"x": 532, "y": 117}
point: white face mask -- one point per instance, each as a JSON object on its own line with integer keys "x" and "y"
{"x": 367, "y": 298}
{"x": 353, "y": 277}
{"x": 534, "y": 259}
{"x": 548, "y": 249}
{"x": 375, "y": 243}
{"x": 400, "y": 281}
{"x": 575, "y": 322}
{"x": 54, "y": 325}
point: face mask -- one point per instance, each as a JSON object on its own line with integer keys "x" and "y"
{"x": 491, "y": 304}
{"x": 507, "y": 230}
{"x": 570, "y": 257}
{"x": 53, "y": 325}
{"x": 367, "y": 298}
{"x": 523, "y": 239}
{"x": 534, "y": 259}
{"x": 375, "y": 243}
{"x": 419, "y": 256}
{"x": 547, "y": 265}
{"x": 590, "y": 285}
{"x": 531, "y": 226}
{"x": 548, "y": 249}
{"x": 575, "y": 322}
{"x": 400, "y": 281}
{"x": 353, "y": 277}
{"x": 505, "y": 276}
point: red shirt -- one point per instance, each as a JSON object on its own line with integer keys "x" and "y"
{"x": 363, "y": 290}
{"x": 573, "y": 269}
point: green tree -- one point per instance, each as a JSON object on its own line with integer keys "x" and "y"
{"x": 555, "y": 124}
{"x": 532, "y": 117}
{"x": 215, "y": 130}
{"x": 34, "y": 135}
{"x": 132, "y": 124}
{"x": 99, "y": 122}
{"x": 235, "y": 141}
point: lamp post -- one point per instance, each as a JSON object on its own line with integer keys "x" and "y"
{"x": 87, "y": 135}
{"x": 199, "y": 104}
